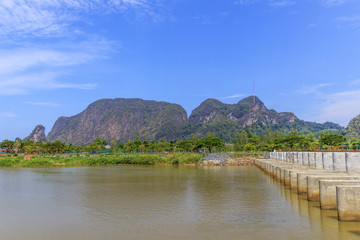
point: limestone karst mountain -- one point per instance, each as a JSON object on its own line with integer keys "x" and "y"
{"x": 38, "y": 134}
{"x": 127, "y": 119}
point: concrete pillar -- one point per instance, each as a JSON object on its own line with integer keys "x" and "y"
{"x": 272, "y": 171}
{"x": 300, "y": 158}
{"x": 319, "y": 160}
{"x": 328, "y": 161}
{"x": 313, "y": 189}
{"x": 312, "y": 160}
{"x": 296, "y": 158}
{"x": 339, "y": 162}
{"x": 328, "y": 192}
{"x": 292, "y": 157}
{"x": 278, "y": 173}
{"x": 282, "y": 174}
{"x": 348, "y": 203}
{"x": 286, "y": 178}
{"x": 293, "y": 179}
{"x": 288, "y": 158}
{"x": 352, "y": 162}
{"x": 305, "y": 158}
{"x": 302, "y": 180}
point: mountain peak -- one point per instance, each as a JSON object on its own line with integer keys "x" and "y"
{"x": 38, "y": 134}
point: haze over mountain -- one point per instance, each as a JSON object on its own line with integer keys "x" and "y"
{"x": 127, "y": 119}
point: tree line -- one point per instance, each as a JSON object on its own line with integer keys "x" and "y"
{"x": 245, "y": 140}
{"x": 210, "y": 143}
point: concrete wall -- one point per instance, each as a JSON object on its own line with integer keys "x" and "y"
{"x": 305, "y": 158}
{"x": 312, "y": 160}
{"x": 296, "y": 158}
{"x": 348, "y": 162}
{"x": 328, "y": 161}
{"x": 352, "y": 162}
{"x": 339, "y": 162}
{"x": 319, "y": 163}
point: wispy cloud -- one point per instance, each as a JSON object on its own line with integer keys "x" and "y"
{"x": 281, "y": 3}
{"x": 340, "y": 107}
{"x": 49, "y": 18}
{"x": 45, "y": 104}
{"x": 25, "y": 83}
{"x": 8, "y": 115}
{"x": 353, "y": 21}
{"x": 271, "y": 3}
{"x": 233, "y": 96}
{"x": 245, "y": 2}
{"x": 354, "y": 82}
{"x": 332, "y": 3}
{"x": 314, "y": 89}
{"x": 40, "y": 68}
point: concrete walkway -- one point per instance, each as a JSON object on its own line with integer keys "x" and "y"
{"x": 332, "y": 178}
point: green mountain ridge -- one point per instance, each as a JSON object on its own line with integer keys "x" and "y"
{"x": 127, "y": 119}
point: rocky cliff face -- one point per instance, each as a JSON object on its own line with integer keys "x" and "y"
{"x": 246, "y": 112}
{"x": 225, "y": 119}
{"x": 38, "y": 134}
{"x": 353, "y": 129}
{"x": 128, "y": 119}
{"x": 121, "y": 119}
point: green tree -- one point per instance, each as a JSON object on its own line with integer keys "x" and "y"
{"x": 210, "y": 143}
{"x": 331, "y": 139}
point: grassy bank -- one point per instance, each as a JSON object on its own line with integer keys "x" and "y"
{"x": 100, "y": 160}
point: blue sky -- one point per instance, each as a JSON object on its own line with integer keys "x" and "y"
{"x": 58, "y": 56}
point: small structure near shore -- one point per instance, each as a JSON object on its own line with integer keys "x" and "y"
{"x": 226, "y": 160}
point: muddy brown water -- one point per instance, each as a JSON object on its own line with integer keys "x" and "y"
{"x": 137, "y": 202}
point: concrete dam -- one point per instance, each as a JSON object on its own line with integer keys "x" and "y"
{"x": 331, "y": 178}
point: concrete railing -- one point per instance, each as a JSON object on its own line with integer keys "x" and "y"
{"x": 348, "y": 162}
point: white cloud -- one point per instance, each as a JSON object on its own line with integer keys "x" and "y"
{"x": 353, "y": 21}
{"x": 331, "y": 3}
{"x": 45, "y": 104}
{"x": 25, "y": 83}
{"x": 245, "y": 2}
{"x": 314, "y": 89}
{"x": 51, "y": 18}
{"x": 340, "y": 107}
{"x": 282, "y": 3}
{"x": 233, "y": 96}
{"x": 23, "y": 70}
{"x": 354, "y": 82}
{"x": 18, "y": 60}
{"x": 8, "y": 115}
{"x": 272, "y": 3}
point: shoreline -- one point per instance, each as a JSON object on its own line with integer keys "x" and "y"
{"x": 114, "y": 160}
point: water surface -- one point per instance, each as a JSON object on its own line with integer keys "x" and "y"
{"x": 137, "y": 202}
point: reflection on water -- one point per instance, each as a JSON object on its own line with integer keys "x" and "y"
{"x": 325, "y": 220}
{"x": 137, "y": 202}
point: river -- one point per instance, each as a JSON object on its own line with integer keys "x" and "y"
{"x": 140, "y": 202}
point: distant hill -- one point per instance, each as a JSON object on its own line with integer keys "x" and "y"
{"x": 121, "y": 119}
{"x": 353, "y": 128}
{"x": 127, "y": 119}
{"x": 38, "y": 134}
{"x": 225, "y": 119}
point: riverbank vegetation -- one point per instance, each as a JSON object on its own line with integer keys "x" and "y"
{"x": 145, "y": 152}
{"x": 241, "y": 141}
{"x": 68, "y": 160}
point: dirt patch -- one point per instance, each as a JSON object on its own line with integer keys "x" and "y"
{"x": 231, "y": 162}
